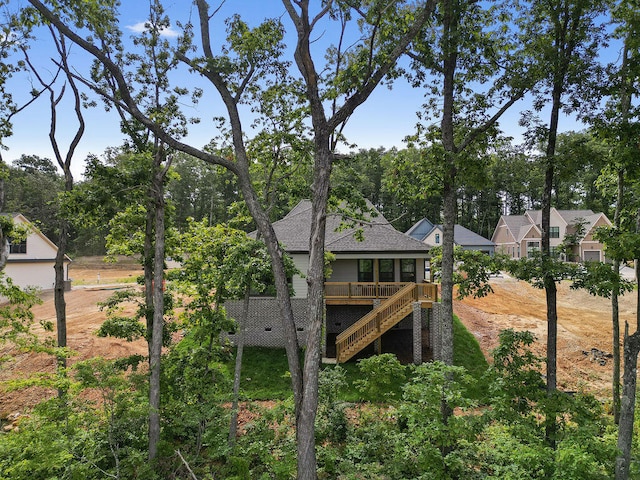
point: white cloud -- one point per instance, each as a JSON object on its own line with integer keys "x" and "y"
{"x": 140, "y": 27}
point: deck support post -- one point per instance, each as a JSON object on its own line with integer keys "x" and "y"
{"x": 417, "y": 333}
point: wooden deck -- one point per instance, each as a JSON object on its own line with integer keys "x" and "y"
{"x": 384, "y": 316}
{"x": 364, "y": 293}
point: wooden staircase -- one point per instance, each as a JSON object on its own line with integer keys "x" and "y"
{"x": 371, "y": 327}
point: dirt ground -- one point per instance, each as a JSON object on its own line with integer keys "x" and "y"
{"x": 584, "y": 323}
{"x": 98, "y": 282}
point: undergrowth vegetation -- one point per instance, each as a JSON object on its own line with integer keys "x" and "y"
{"x": 377, "y": 419}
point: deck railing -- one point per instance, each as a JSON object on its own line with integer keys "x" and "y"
{"x": 370, "y": 290}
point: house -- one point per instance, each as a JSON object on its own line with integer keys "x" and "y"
{"x": 520, "y": 235}
{"x": 31, "y": 260}
{"x": 431, "y": 234}
{"x": 375, "y": 296}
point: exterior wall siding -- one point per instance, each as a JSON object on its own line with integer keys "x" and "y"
{"x": 300, "y": 287}
{"x": 35, "y": 267}
{"x": 344, "y": 271}
{"x": 38, "y": 274}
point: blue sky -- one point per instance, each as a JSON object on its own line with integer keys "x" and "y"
{"x": 383, "y": 121}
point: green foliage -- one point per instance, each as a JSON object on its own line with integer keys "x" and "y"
{"x": 133, "y": 327}
{"x": 32, "y": 189}
{"x": 467, "y": 354}
{"x": 502, "y": 455}
{"x": 16, "y": 317}
{"x": 331, "y": 420}
{"x": 620, "y": 245}
{"x": 267, "y": 447}
{"x": 381, "y": 375}
{"x": 74, "y": 439}
{"x": 537, "y": 268}
{"x": 601, "y": 279}
{"x": 474, "y": 268}
{"x": 515, "y": 381}
{"x": 429, "y": 399}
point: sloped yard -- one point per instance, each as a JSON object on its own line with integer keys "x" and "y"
{"x": 584, "y": 324}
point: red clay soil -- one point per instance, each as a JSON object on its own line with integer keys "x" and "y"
{"x": 83, "y": 320}
{"x": 584, "y": 323}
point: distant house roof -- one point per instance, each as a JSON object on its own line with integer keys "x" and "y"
{"x": 465, "y": 237}
{"x": 420, "y": 229}
{"x": 520, "y": 225}
{"x": 461, "y": 236}
{"x": 294, "y": 231}
{"x": 569, "y": 216}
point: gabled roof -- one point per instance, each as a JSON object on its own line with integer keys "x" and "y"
{"x": 461, "y": 235}
{"x": 520, "y": 225}
{"x": 572, "y": 216}
{"x": 465, "y": 237}
{"x": 569, "y": 216}
{"x": 294, "y": 231}
{"x": 420, "y": 229}
{"x": 33, "y": 230}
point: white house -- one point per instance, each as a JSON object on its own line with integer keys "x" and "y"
{"x": 31, "y": 260}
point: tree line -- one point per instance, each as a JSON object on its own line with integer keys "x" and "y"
{"x": 393, "y": 180}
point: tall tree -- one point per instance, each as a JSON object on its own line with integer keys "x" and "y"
{"x": 354, "y": 78}
{"x": 64, "y": 162}
{"x": 564, "y": 37}
{"x": 250, "y": 56}
{"x": 470, "y": 43}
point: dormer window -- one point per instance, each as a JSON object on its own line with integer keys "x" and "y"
{"x": 17, "y": 246}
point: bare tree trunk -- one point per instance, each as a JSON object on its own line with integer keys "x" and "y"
{"x": 158, "y": 304}
{"x": 615, "y": 311}
{"x": 4, "y": 241}
{"x": 450, "y": 46}
{"x": 629, "y": 385}
{"x": 306, "y": 417}
{"x": 549, "y": 280}
{"x": 233, "y": 427}
{"x": 628, "y": 403}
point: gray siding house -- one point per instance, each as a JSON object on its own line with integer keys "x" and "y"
{"x": 431, "y": 234}
{"x": 375, "y": 287}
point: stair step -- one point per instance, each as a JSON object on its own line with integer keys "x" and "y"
{"x": 385, "y": 325}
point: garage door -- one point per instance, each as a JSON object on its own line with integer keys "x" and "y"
{"x": 591, "y": 256}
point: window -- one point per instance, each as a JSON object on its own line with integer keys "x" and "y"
{"x": 532, "y": 247}
{"x": 407, "y": 270}
{"x": 554, "y": 232}
{"x": 387, "y": 273}
{"x": 437, "y": 239}
{"x": 19, "y": 246}
{"x": 365, "y": 270}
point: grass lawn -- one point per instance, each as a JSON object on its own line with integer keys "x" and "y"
{"x": 265, "y": 373}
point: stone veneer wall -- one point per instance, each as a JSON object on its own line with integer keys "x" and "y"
{"x": 435, "y": 332}
{"x": 264, "y": 323}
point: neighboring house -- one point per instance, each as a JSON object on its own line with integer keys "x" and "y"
{"x": 520, "y": 235}
{"x": 31, "y": 260}
{"x": 376, "y": 285}
{"x": 431, "y": 234}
